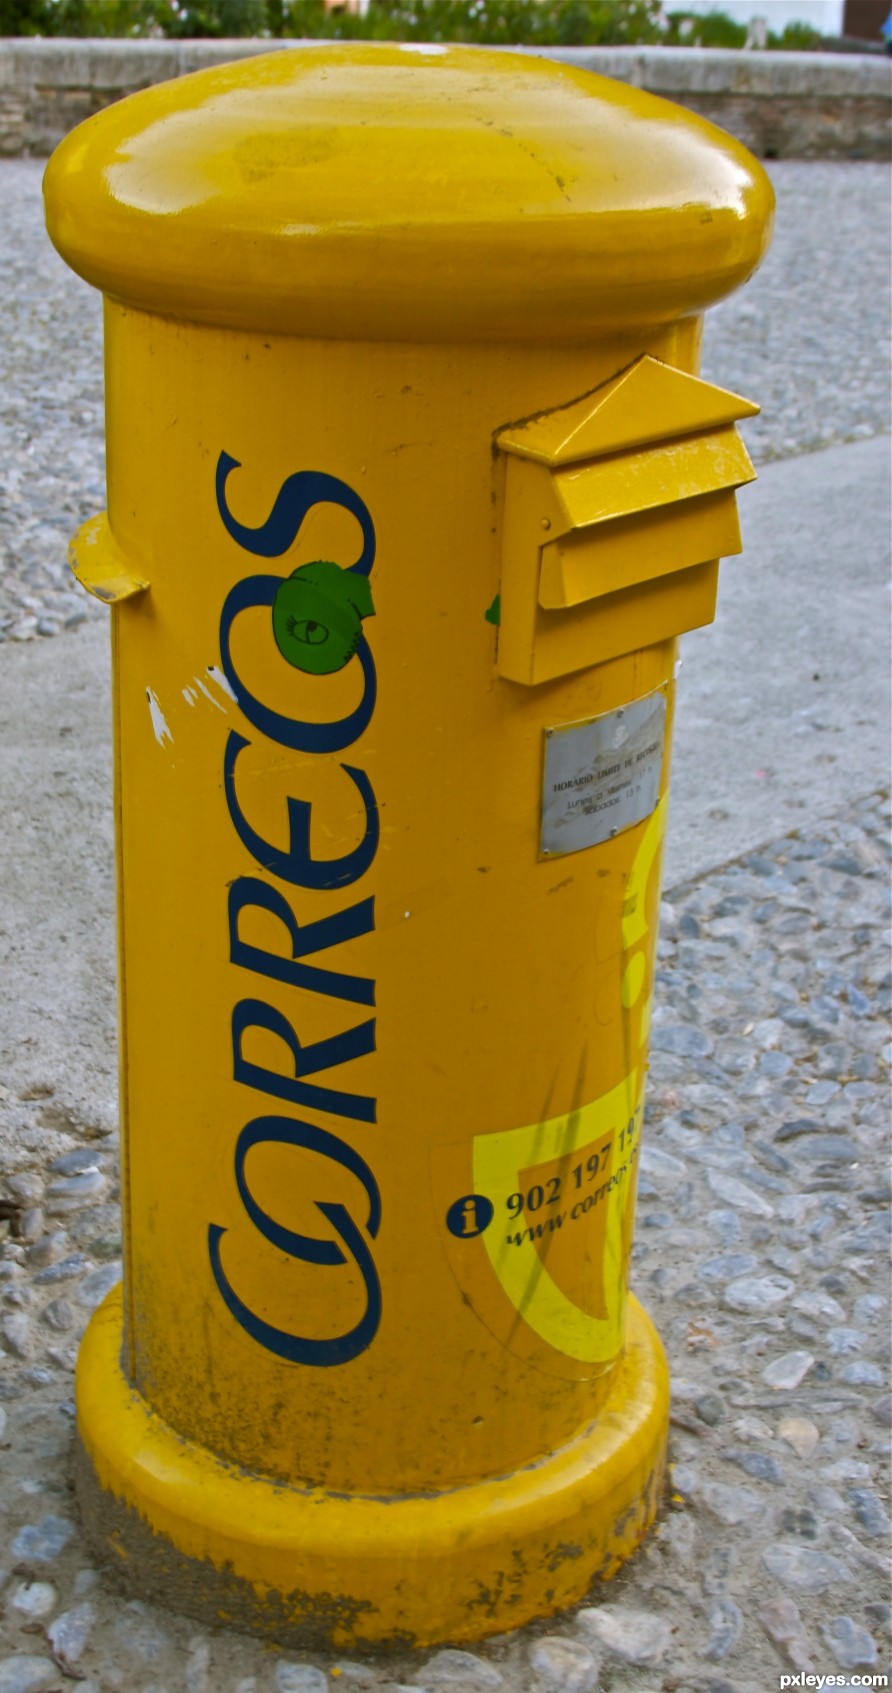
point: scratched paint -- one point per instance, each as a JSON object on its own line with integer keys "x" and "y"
{"x": 222, "y": 681}
{"x": 207, "y": 694}
{"x": 159, "y": 721}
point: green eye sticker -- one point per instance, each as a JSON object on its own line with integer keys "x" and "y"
{"x": 317, "y": 616}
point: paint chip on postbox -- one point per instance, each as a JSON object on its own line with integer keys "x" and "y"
{"x": 602, "y": 776}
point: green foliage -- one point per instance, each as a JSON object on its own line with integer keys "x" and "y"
{"x": 141, "y": 17}
{"x": 79, "y": 17}
{"x": 796, "y": 38}
{"x": 23, "y": 17}
{"x": 102, "y": 17}
{"x": 536, "y": 23}
{"x": 219, "y": 18}
{"x": 567, "y": 23}
{"x": 706, "y": 29}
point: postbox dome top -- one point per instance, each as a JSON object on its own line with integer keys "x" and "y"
{"x": 408, "y": 193}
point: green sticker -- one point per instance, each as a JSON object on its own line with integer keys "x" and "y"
{"x": 317, "y": 616}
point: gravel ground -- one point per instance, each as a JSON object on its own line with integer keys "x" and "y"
{"x": 808, "y": 337}
{"x": 761, "y": 1252}
{"x": 819, "y": 373}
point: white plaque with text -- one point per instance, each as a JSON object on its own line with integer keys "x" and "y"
{"x": 602, "y": 775}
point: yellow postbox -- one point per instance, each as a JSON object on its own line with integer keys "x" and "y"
{"x": 412, "y": 486}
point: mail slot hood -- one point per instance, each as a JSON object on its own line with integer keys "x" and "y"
{"x": 615, "y": 511}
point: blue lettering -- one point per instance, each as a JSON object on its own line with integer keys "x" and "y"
{"x": 283, "y": 1131}
{"x": 297, "y": 495}
{"x": 295, "y": 1348}
{"x": 247, "y": 891}
{"x": 297, "y": 865}
{"x": 322, "y": 1055}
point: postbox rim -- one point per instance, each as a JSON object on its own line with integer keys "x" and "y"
{"x": 393, "y": 192}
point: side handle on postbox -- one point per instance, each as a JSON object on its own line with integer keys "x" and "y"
{"x": 99, "y": 564}
{"x": 616, "y": 510}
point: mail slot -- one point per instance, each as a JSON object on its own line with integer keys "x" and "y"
{"x": 615, "y": 511}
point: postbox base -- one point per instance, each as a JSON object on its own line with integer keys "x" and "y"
{"x": 319, "y": 1570}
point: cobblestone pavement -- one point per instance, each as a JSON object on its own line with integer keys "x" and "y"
{"x": 807, "y": 338}
{"x": 762, "y": 1253}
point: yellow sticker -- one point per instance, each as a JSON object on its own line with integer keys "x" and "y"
{"x": 539, "y": 1231}
{"x": 537, "y": 1221}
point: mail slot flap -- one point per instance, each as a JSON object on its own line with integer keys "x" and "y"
{"x": 646, "y": 402}
{"x": 561, "y": 642}
{"x": 600, "y": 560}
{"x": 652, "y": 477}
{"x": 613, "y": 512}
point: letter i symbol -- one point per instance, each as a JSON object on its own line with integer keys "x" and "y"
{"x": 469, "y": 1215}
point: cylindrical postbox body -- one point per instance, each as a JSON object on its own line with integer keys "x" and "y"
{"x": 411, "y": 488}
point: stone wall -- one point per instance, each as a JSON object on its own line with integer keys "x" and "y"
{"x": 782, "y": 105}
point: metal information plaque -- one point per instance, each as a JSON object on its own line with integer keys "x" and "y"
{"x": 602, "y": 775}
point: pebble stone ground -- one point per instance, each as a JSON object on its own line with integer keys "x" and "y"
{"x": 763, "y": 1230}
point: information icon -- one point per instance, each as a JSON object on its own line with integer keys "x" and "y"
{"x": 469, "y": 1216}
